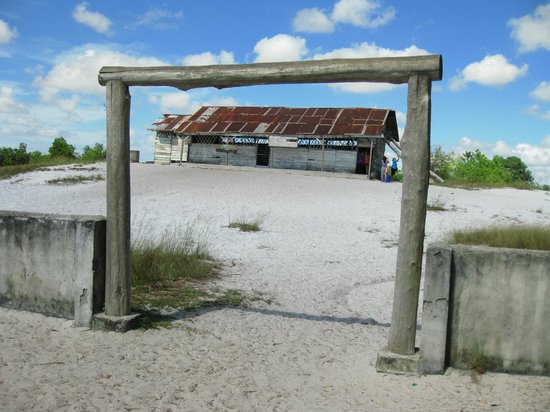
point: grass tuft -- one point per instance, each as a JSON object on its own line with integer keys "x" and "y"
{"x": 176, "y": 255}
{"x": 73, "y": 180}
{"x": 248, "y": 224}
{"x": 515, "y": 236}
{"x": 436, "y": 205}
{"x": 245, "y": 226}
{"x": 174, "y": 272}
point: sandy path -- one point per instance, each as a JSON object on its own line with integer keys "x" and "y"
{"x": 326, "y": 256}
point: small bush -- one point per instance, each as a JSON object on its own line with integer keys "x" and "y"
{"x": 516, "y": 237}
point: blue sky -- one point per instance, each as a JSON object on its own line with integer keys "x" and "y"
{"x": 494, "y": 96}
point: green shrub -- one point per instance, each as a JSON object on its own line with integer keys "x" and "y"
{"x": 37, "y": 157}
{"x": 12, "y": 157}
{"x": 60, "y": 148}
{"x": 94, "y": 154}
{"x": 476, "y": 167}
{"x": 441, "y": 163}
{"x": 516, "y": 167}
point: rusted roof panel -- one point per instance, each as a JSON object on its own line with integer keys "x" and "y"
{"x": 322, "y": 130}
{"x": 280, "y": 120}
{"x": 378, "y": 115}
{"x": 373, "y": 130}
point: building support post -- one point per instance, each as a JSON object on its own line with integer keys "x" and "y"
{"x": 117, "y": 288}
{"x": 416, "y": 167}
{"x": 323, "y": 154}
{"x": 370, "y": 160}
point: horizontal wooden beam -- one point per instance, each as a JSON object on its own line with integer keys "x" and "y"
{"x": 394, "y": 70}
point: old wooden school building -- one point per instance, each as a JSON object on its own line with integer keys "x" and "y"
{"x": 327, "y": 139}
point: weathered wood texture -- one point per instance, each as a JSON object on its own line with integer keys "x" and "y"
{"x": 117, "y": 288}
{"x": 385, "y": 70}
{"x": 163, "y": 150}
{"x": 416, "y": 166}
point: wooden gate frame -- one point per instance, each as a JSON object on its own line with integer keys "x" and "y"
{"x": 417, "y": 71}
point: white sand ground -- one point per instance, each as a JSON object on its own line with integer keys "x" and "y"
{"x": 325, "y": 256}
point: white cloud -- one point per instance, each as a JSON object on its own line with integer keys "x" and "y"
{"x": 541, "y": 92}
{"x": 532, "y": 31}
{"x": 7, "y": 101}
{"x": 467, "y": 144}
{"x": 493, "y": 70}
{"x": 76, "y": 71}
{"x": 159, "y": 19}
{"x": 537, "y": 111}
{"x": 312, "y": 21}
{"x": 69, "y": 104}
{"x": 401, "y": 118}
{"x": 7, "y": 34}
{"x": 362, "y": 13}
{"x": 96, "y": 21}
{"x": 280, "y": 48}
{"x": 208, "y": 58}
{"x": 187, "y": 103}
{"x": 175, "y": 103}
{"x": 364, "y": 50}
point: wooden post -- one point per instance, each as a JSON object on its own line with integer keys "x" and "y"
{"x": 416, "y": 167}
{"x": 370, "y": 160}
{"x": 181, "y": 151}
{"x": 395, "y": 70}
{"x": 322, "y": 154}
{"x": 117, "y": 287}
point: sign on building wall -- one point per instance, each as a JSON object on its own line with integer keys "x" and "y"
{"x": 283, "y": 141}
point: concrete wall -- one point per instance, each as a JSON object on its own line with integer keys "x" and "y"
{"x": 53, "y": 264}
{"x": 489, "y": 305}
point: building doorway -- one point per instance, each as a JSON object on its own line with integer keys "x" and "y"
{"x": 262, "y": 156}
{"x": 362, "y": 165}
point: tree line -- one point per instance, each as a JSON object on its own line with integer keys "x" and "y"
{"x": 59, "y": 149}
{"x": 476, "y": 168}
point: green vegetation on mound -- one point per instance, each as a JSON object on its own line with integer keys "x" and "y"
{"x": 17, "y": 161}
{"x": 475, "y": 170}
{"x": 515, "y": 237}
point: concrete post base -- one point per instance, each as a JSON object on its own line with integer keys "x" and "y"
{"x": 120, "y": 324}
{"x": 389, "y": 362}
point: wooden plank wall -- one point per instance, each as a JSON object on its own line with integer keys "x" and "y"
{"x": 176, "y": 153}
{"x": 304, "y": 158}
{"x": 206, "y": 153}
{"x": 163, "y": 148}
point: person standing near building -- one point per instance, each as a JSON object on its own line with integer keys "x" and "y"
{"x": 394, "y": 167}
{"x": 383, "y": 169}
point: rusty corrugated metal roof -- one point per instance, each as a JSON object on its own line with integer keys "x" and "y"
{"x": 251, "y": 120}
